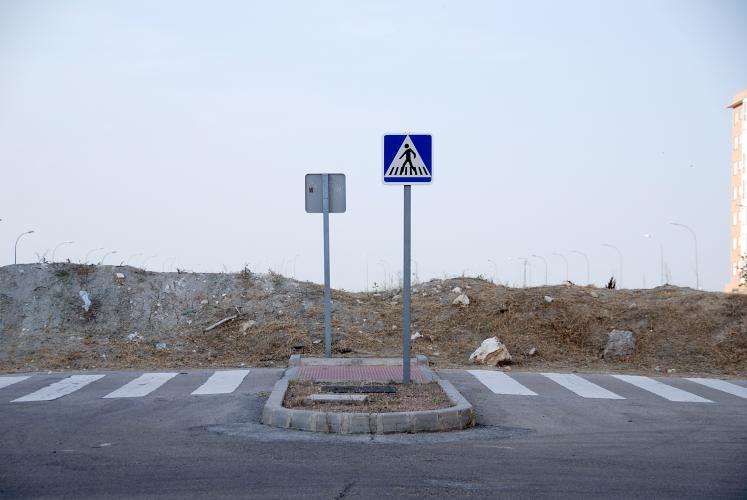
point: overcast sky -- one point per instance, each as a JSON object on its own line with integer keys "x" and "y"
{"x": 184, "y": 130}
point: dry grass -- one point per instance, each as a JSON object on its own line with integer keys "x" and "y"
{"x": 676, "y": 328}
{"x": 411, "y": 397}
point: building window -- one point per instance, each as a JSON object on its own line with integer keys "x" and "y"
{"x": 736, "y": 142}
{"x": 734, "y": 222}
{"x": 736, "y": 167}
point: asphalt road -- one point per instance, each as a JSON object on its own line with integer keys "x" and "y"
{"x": 171, "y": 444}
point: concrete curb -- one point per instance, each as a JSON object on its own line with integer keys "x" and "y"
{"x": 458, "y": 417}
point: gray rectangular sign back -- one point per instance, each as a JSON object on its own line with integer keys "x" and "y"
{"x": 314, "y": 193}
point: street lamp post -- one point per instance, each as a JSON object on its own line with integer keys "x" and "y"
{"x": 495, "y": 270}
{"x": 525, "y": 263}
{"x": 385, "y": 265}
{"x": 15, "y": 251}
{"x": 166, "y": 261}
{"x": 129, "y": 259}
{"x": 588, "y": 266}
{"x": 59, "y": 245}
{"x": 620, "y": 256}
{"x": 661, "y": 255}
{"x": 565, "y": 259}
{"x": 142, "y": 266}
{"x": 106, "y": 255}
{"x": 85, "y": 259}
{"x": 295, "y": 258}
{"x": 695, "y": 243}
{"x": 543, "y": 260}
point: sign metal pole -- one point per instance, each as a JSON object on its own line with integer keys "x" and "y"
{"x": 406, "y": 292}
{"x": 327, "y": 305}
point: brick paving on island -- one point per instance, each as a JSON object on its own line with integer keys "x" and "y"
{"x": 372, "y": 373}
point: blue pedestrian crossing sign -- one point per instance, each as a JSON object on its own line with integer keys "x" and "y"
{"x": 408, "y": 159}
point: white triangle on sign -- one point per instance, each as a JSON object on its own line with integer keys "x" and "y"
{"x": 401, "y": 167}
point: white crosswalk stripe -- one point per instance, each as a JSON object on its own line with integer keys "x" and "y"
{"x": 500, "y": 383}
{"x": 660, "y": 389}
{"x": 6, "y": 381}
{"x": 142, "y": 386}
{"x": 60, "y": 388}
{"x": 721, "y": 385}
{"x": 581, "y": 386}
{"x": 221, "y": 382}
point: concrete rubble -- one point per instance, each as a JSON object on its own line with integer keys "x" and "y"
{"x": 620, "y": 343}
{"x": 86, "y": 300}
{"x": 461, "y": 299}
{"x": 491, "y": 352}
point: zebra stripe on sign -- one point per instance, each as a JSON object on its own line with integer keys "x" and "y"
{"x": 663, "y": 390}
{"x": 581, "y": 386}
{"x": 222, "y": 382}
{"x": 500, "y": 383}
{"x": 59, "y": 388}
{"x": 142, "y": 386}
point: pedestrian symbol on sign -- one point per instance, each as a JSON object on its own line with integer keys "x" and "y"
{"x": 408, "y": 152}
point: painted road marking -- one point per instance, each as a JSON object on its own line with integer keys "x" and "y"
{"x": 720, "y": 385}
{"x": 60, "y": 388}
{"x": 222, "y": 382}
{"x": 581, "y": 386}
{"x": 6, "y": 381}
{"x": 142, "y": 386}
{"x": 500, "y": 383}
{"x": 663, "y": 390}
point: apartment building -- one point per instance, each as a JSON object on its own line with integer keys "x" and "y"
{"x": 738, "y": 222}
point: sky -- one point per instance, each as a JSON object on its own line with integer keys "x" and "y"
{"x": 178, "y": 134}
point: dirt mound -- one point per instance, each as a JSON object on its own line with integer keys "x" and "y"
{"x": 139, "y": 319}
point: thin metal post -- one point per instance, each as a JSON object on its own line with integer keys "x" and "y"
{"x": 327, "y": 305}
{"x": 15, "y": 249}
{"x": 406, "y": 292}
{"x": 588, "y": 265}
{"x": 661, "y": 261}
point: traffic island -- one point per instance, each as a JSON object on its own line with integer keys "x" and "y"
{"x": 300, "y": 400}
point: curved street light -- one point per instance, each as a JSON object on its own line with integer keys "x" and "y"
{"x": 142, "y": 266}
{"x": 588, "y": 266}
{"x": 15, "y": 251}
{"x": 106, "y": 255}
{"x": 620, "y": 256}
{"x": 661, "y": 255}
{"x": 565, "y": 259}
{"x": 525, "y": 263}
{"x": 166, "y": 261}
{"x": 385, "y": 265}
{"x": 59, "y": 245}
{"x": 695, "y": 243}
{"x": 495, "y": 270}
{"x": 543, "y": 260}
{"x": 295, "y": 258}
{"x": 127, "y": 262}
{"x": 85, "y": 259}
